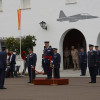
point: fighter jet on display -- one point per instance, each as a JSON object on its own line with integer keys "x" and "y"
{"x": 74, "y": 18}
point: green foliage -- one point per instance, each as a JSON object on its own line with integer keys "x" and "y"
{"x": 12, "y": 44}
{"x": 28, "y": 42}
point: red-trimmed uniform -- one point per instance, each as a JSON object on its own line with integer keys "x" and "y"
{"x": 48, "y": 57}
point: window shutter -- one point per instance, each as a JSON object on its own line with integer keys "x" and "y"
{"x": 71, "y": 1}
{"x": 0, "y": 5}
{"x": 25, "y": 4}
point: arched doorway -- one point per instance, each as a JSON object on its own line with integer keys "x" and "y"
{"x": 75, "y": 38}
{"x": 98, "y": 40}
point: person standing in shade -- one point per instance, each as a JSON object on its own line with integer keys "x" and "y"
{"x": 92, "y": 63}
{"x": 31, "y": 61}
{"x": 66, "y": 58}
{"x": 97, "y": 51}
{"x": 56, "y": 62}
{"x": 83, "y": 61}
{"x": 48, "y": 58}
{"x": 75, "y": 58}
{"x": 3, "y": 63}
{"x": 12, "y": 61}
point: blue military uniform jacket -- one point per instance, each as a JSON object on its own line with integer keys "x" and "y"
{"x": 31, "y": 59}
{"x": 97, "y": 57}
{"x": 48, "y": 52}
{"x": 57, "y": 60}
{"x": 91, "y": 58}
{"x": 3, "y": 58}
{"x": 83, "y": 57}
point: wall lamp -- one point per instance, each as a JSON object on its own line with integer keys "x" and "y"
{"x": 43, "y": 25}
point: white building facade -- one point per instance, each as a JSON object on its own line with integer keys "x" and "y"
{"x": 69, "y": 22}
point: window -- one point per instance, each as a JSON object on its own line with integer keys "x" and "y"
{"x": 0, "y": 5}
{"x": 25, "y": 4}
{"x": 71, "y": 1}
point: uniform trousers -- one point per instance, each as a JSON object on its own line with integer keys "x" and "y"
{"x": 2, "y": 77}
{"x": 13, "y": 72}
{"x": 76, "y": 63}
{"x": 83, "y": 67}
{"x": 31, "y": 73}
{"x": 48, "y": 67}
{"x": 66, "y": 62}
{"x": 56, "y": 73}
{"x": 97, "y": 70}
{"x": 92, "y": 73}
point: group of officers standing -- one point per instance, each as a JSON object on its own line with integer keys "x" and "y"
{"x": 50, "y": 59}
{"x": 81, "y": 59}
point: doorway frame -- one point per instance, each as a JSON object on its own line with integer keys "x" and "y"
{"x": 61, "y": 44}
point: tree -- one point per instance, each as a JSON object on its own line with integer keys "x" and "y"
{"x": 28, "y": 42}
{"x": 12, "y": 44}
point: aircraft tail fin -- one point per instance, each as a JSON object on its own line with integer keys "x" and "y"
{"x": 62, "y": 15}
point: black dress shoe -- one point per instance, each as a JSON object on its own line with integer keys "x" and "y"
{"x": 3, "y": 88}
{"x": 28, "y": 82}
{"x": 48, "y": 78}
{"x": 94, "y": 82}
{"x": 91, "y": 82}
{"x": 82, "y": 75}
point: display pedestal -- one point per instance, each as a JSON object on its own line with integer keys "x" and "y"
{"x": 51, "y": 81}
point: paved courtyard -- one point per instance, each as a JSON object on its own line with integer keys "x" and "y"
{"x": 69, "y": 73}
{"x": 78, "y": 89}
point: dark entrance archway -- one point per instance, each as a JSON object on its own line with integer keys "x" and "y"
{"x": 73, "y": 38}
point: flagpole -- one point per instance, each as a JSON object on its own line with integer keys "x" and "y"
{"x": 20, "y": 42}
{"x": 19, "y": 28}
{"x": 20, "y": 50}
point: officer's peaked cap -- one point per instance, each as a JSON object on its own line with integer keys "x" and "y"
{"x": 55, "y": 49}
{"x": 30, "y": 49}
{"x": 81, "y": 48}
{"x": 96, "y": 46}
{"x": 90, "y": 45}
{"x": 3, "y": 47}
{"x": 46, "y": 42}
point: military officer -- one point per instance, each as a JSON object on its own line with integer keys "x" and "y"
{"x": 56, "y": 62}
{"x": 48, "y": 58}
{"x": 3, "y": 59}
{"x": 83, "y": 61}
{"x": 92, "y": 63}
{"x": 75, "y": 58}
{"x": 97, "y": 60}
{"x": 31, "y": 60}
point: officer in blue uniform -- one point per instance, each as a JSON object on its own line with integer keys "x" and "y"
{"x": 48, "y": 59}
{"x": 3, "y": 59}
{"x": 97, "y": 51}
{"x": 56, "y": 62}
{"x": 31, "y": 60}
{"x": 83, "y": 61}
{"x": 92, "y": 63}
